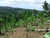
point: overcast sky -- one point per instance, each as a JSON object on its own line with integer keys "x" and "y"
{"x": 28, "y": 4}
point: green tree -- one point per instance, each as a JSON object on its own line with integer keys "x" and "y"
{"x": 45, "y": 6}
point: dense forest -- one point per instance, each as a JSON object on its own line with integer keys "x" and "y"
{"x": 11, "y": 18}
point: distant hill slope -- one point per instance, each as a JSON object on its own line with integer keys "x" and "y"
{"x": 10, "y": 10}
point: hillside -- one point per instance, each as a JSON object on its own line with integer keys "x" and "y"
{"x": 10, "y": 10}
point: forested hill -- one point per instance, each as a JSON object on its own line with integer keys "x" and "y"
{"x": 9, "y": 10}
{"x": 17, "y": 12}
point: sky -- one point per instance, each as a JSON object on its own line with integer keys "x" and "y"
{"x": 27, "y": 4}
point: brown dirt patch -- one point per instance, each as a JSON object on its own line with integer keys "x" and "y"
{"x": 20, "y": 33}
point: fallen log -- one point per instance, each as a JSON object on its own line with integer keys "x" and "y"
{"x": 43, "y": 30}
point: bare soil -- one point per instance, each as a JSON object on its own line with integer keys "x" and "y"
{"x": 21, "y": 33}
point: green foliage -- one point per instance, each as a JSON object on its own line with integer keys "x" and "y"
{"x": 47, "y": 35}
{"x": 45, "y": 6}
{"x": 19, "y": 23}
{"x": 32, "y": 28}
{"x": 12, "y": 18}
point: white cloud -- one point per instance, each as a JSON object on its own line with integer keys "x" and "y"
{"x": 18, "y": 0}
{"x": 31, "y": 1}
{"x": 48, "y": 1}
